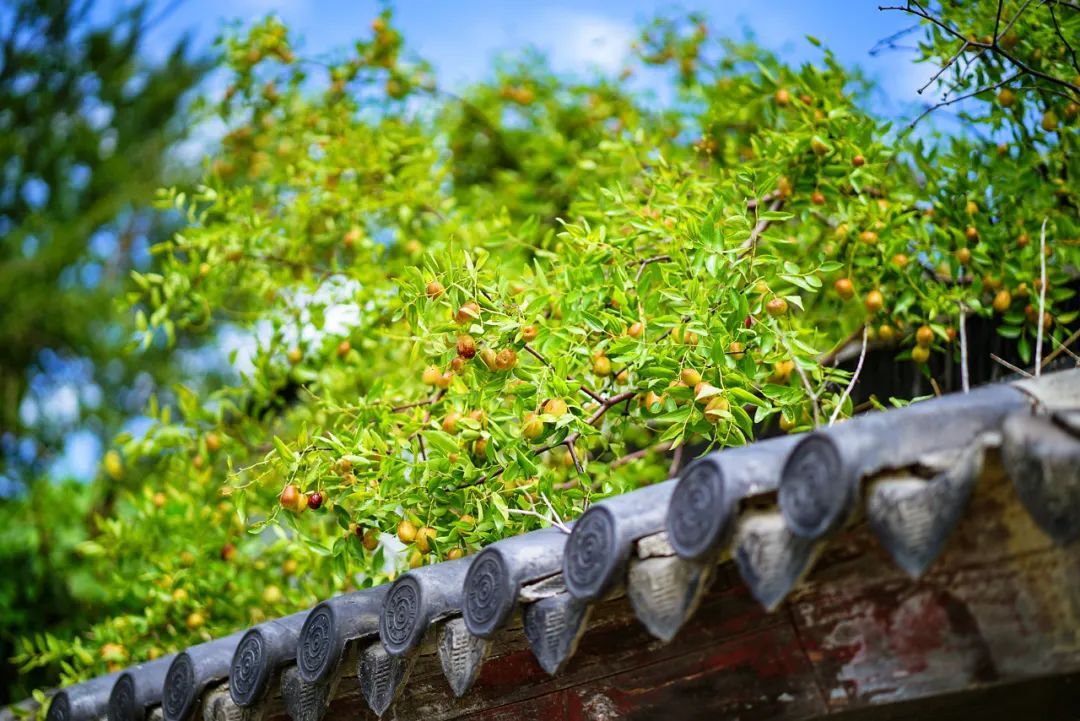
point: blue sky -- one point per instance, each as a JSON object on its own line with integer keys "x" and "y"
{"x": 461, "y": 37}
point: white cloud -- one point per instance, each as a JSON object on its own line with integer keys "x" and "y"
{"x": 584, "y": 40}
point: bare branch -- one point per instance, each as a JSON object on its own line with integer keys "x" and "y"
{"x": 914, "y": 8}
{"x": 587, "y": 391}
{"x": 802, "y": 375}
{"x": 673, "y": 469}
{"x": 1001, "y": 361}
{"x": 650, "y": 261}
{"x": 945, "y": 66}
{"x": 839, "y": 351}
{"x": 965, "y": 381}
{"x": 889, "y": 43}
{"x": 554, "y": 520}
{"x": 1042, "y": 299}
{"x": 573, "y": 456}
{"x": 958, "y": 98}
{"x": 760, "y": 227}
{"x": 854, "y": 377}
{"x": 1062, "y": 348}
{"x": 554, "y": 514}
{"x": 1057, "y": 29}
{"x": 416, "y": 404}
{"x": 639, "y": 454}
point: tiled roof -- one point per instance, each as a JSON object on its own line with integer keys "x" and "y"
{"x": 770, "y": 507}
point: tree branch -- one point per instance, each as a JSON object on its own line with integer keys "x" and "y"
{"x": 673, "y": 470}
{"x": 605, "y": 405}
{"x": 587, "y": 391}
{"x": 854, "y": 377}
{"x": 958, "y": 98}
{"x": 639, "y": 454}
{"x": 993, "y": 46}
{"x": 760, "y": 227}
{"x": 1042, "y": 299}
{"x": 1062, "y": 348}
{"x": 649, "y": 261}
{"x": 1057, "y": 29}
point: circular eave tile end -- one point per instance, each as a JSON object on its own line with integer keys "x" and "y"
{"x": 122, "y": 699}
{"x": 814, "y": 490}
{"x": 592, "y": 556}
{"x": 249, "y": 673}
{"x": 178, "y": 693}
{"x": 699, "y": 513}
{"x": 489, "y": 594}
{"x": 402, "y": 622}
{"x": 319, "y": 647}
{"x": 59, "y": 708}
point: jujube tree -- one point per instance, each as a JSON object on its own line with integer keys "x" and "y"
{"x": 474, "y": 314}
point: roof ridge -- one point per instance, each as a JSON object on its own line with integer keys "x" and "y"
{"x": 769, "y": 506}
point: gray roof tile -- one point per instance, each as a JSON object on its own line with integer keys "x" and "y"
{"x": 769, "y": 506}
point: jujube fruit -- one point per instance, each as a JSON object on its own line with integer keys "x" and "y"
{"x": 874, "y": 301}
{"x": 924, "y": 336}
{"x": 466, "y": 346}
{"x": 467, "y": 313}
{"x": 406, "y": 531}
{"x": 555, "y": 407}
{"x": 776, "y": 307}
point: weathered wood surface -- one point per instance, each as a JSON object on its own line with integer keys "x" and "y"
{"x": 997, "y": 616}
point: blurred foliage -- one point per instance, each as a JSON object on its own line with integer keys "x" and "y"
{"x": 470, "y": 314}
{"x": 87, "y": 126}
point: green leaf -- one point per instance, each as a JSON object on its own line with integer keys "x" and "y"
{"x": 284, "y": 451}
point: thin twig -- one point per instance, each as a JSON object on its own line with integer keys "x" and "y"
{"x": 639, "y": 454}
{"x": 650, "y": 261}
{"x": 992, "y": 46}
{"x": 760, "y": 227}
{"x": 945, "y": 66}
{"x": 802, "y": 375}
{"x": 587, "y": 391}
{"x": 676, "y": 462}
{"x": 427, "y": 417}
{"x": 890, "y": 41}
{"x": 1057, "y": 29}
{"x": 606, "y": 405}
{"x": 982, "y": 51}
{"x": 553, "y": 521}
{"x": 965, "y": 381}
{"x": 573, "y": 456}
{"x": 830, "y": 358}
{"x": 958, "y": 98}
{"x": 1062, "y": 348}
{"x": 854, "y": 377}
{"x": 416, "y": 404}
{"x": 554, "y": 514}
{"x": 1010, "y": 366}
{"x": 1042, "y": 299}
